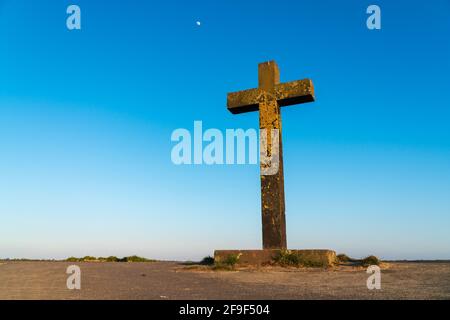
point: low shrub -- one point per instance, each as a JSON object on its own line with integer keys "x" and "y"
{"x": 109, "y": 259}
{"x": 343, "y": 258}
{"x": 370, "y": 261}
{"x": 112, "y": 259}
{"x": 137, "y": 259}
{"x": 89, "y": 258}
{"x": 287, "y": 258}
{"x": 232, "y": 259}
{"x": 207, "y": 261}
{"x": 73, "y": 259}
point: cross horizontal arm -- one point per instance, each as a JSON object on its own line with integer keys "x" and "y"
{"x": 294, "y": 92}
{"x": 244, "y": 101}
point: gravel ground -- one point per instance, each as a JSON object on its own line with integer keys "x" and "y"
{"x": 172, "y": 280}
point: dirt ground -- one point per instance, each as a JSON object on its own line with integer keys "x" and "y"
{"x": 172, "y": 280}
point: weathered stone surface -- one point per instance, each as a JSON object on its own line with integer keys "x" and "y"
{"x": 294, "y": 92}
{"x": 268, "y": 98}
{"x": 245, "y": 101}
{"x": 272, "y": 186}
{"x": 259, "y": 257}
{"x": 286, "y": 94}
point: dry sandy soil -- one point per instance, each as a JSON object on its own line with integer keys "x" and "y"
{"x": 172, "y": 280}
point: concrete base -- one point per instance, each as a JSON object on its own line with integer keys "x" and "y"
{"x": 258, "y": 257}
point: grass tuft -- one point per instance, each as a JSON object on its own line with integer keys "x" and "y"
{"x": 287, "y": 258}
{"x": 228, "y": 264}
{"x": 232, "y": 259}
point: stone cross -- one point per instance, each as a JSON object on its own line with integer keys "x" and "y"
{"x": 267, "y": 99}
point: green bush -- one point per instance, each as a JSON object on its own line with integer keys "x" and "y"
{"x": 109, "y": 259}
{"x": 343, "y": 258}
{"x": 370, "y": 261}
{"x": 232, "y": 259}
{"x": 287, "y": 258}
{"x": 89, "y": 258}
{"x": 73, "y": 259}
{"x": 207, "y": 261}
{"x": 136, "y": 259}
{"x": 112, "y": 259}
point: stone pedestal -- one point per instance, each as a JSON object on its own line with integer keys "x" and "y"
{"x": 323, "y": 258}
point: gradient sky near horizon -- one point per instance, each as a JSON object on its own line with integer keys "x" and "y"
{"x": 86, "y": 119}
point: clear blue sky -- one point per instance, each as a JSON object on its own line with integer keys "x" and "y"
{"x": 86, "y": 118}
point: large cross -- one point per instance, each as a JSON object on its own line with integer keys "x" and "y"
{"x": 268, "y": 98}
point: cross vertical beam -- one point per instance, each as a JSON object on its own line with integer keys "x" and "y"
{"x": 272, "y": 186}
{"x": 268, "y": 98}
